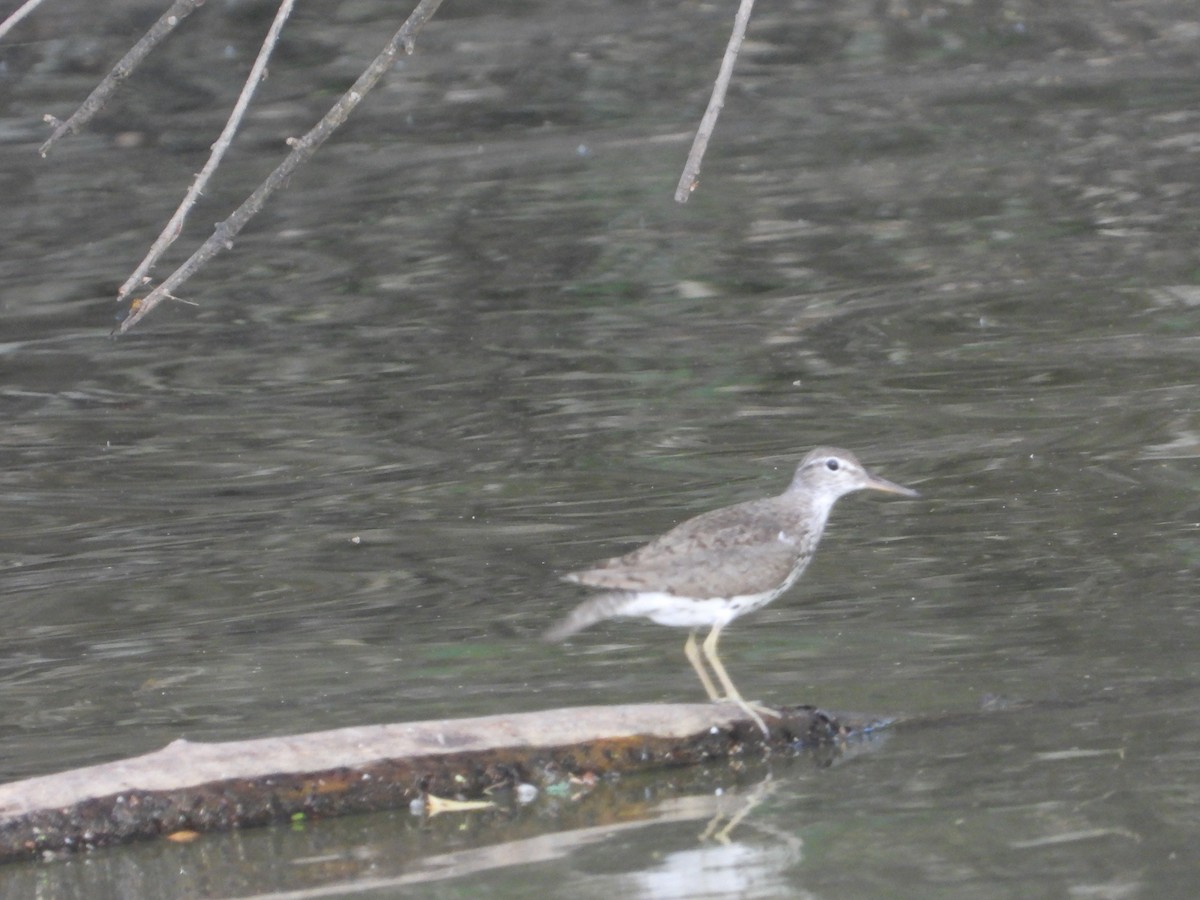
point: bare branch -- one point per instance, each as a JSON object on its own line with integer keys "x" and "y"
{"x": 166, "y": 23}
{"x": 25, "y": 9}
{"x": 691, "y": 170}
{"x": 303, "y": 149}
{"x": 173, "y": 228}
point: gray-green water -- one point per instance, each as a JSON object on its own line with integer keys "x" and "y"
{"x": 476, "y": 344}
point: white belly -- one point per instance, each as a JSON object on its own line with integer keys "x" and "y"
{"x": 680, "y": 612}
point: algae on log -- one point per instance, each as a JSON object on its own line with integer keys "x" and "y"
{"x": 202, "y": 787}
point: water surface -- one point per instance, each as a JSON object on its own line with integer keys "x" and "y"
{"x": 476, "y": 344}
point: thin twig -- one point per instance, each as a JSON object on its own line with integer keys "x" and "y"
{"x": 25, "y": 9}
{"x": 691, "y": 170}
{"x": 303, "y": 149}
{"x": 166, "y": 23}
{"x": 173, "y": 228}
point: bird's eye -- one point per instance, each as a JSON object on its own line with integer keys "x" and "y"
{"x": 832, "y": 464}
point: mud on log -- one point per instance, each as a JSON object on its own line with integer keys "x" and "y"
{"x": 203, "y": 787}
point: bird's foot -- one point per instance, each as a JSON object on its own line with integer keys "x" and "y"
{"x": 763, "y": 710}
{"x": 750, "y": 705}
{"x": 754, "y": 710}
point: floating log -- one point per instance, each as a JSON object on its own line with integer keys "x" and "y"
{"x": 195, "y": 787}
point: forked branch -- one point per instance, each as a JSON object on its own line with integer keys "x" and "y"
{"x": 303, "y": 149}
{"x": 173, "y": 228}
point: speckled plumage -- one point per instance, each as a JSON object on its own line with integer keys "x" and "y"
{"x": 749, "y": 548}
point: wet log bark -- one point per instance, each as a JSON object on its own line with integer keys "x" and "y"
{"x": 201, "y": 787}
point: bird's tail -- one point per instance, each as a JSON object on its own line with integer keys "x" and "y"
{"x": 589, "y": 612}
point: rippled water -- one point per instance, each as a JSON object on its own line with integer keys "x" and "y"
{"x": 476, "y": 344}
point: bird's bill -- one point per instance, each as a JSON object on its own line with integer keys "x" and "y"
{"x": 889, "y": 487}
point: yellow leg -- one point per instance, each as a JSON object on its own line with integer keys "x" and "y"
{"x": 693, "y": 654}
{"x": 731, "y": 693}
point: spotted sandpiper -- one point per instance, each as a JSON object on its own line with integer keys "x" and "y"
{"x": 722, "y": 564}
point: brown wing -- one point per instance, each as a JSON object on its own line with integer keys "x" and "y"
{"x": 735, "y": 550}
